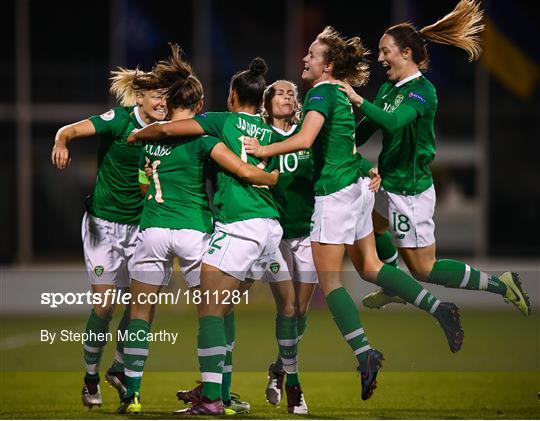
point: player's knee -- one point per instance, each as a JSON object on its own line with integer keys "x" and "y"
{"x": 103, "y": 311}
{"x": 421, "y": 270}
{"x": 287, "y": 310}
{"x": 301, "y": 309}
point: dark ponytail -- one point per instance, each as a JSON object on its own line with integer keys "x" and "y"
{"x": 249, "y": 84}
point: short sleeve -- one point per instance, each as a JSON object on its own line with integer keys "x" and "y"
{"x": 212, "y": 123}
{"x": 419, "y": 99}
{"x": 207, "y": 144}
{"x": 322, "y": 99}
{"x": 112, "y": 122}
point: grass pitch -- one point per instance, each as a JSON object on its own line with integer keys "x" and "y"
{"x": 495, "y": 376}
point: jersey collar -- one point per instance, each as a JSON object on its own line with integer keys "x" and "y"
{"x": 408, "y": 79}
{"x": 138, "y": 117}
{"x": 253, "y": 115}
{"x": 321, "y": 83}
{"x": 283, "y": 132}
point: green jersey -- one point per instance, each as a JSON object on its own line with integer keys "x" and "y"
{"x": 294, "y": 192}
{"x": 336, "y": 164}
{"x": 116, "y": 196}
{"x": 177, "y": 197}
{"x": 407, "y": 151}
{"x": 234, "y": 199}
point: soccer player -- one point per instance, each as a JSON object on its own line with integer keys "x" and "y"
{"x": 111, "y": 222}
{"x": 176, "y": 219}
{"x": 294, "y": 195}
{"x": 247, "y": 233}
{"x": 343, "y": 202}
{"x": 404, "y": 110}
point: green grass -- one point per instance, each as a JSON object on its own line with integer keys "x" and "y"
{"x": 495, "y": 376}
{"x": 448, "y": 395}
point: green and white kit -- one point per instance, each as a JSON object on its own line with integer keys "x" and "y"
{"x": 111, "y": 223}
{"x": 343, "y": 202}
{"x": 247, "y": 232}
{"x": 176, "y": 220}
{"x": 408, "y": 197}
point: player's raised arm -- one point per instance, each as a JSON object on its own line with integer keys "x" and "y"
{"x": 247, "y": 172}
{"x": 161, "y": 130}
{"x": 311, "y": 127}
{"x": 60, "y": 152}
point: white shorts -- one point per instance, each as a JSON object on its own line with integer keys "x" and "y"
{"x": 244, "y": 249}
{"x": 156, "y": 248}
{"x": 108, "y": 249}
{"x": 344, "y": 216}
{"x": 298, "y": 261}
{"x": 410, "y": 217}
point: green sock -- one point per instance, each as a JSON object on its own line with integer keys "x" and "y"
{"x": 454, "y": 274}
{"x": 407, "y": 288}
{"x": 386, "y": 250}
{"x": 228, "y": 322}
{"x": 93, "y": 348}
{"x": 287, "y": 339}
{"x": 211, "y": 349}
{"x": 135, "y": 354}
{"x": 301, "y": 324}
{"x": 347, "y": 319}
{"x": 118, "y": 362}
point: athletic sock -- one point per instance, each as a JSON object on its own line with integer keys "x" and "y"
{"x": 118, "y": 362}
{"x": 228, "y": 322}
{"x": 454, "y": 274}
{"x": 287, "y": 339}
{"x": 347, "y": 319}
{"x": 135, "y": 354}
{"x": 386, "y": 250}
{"x": 301, "y": 324}
{"x": 96, "y": 330}
{"x": 407, "y": 288}
{"x": 211, "y": 349}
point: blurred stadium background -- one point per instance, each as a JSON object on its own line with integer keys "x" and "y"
{"x": 54, "y": 70}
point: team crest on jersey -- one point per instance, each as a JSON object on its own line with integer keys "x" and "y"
{"x": 274, "y": 267}
{"x": 398, "y": 100}
{"x": 98, "y": 270}
{"x": 108, "y": 116}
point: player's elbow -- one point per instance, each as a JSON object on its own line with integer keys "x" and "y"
{"x": 245, "y": 172}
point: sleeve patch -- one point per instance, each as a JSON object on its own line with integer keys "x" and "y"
{"x": 108, "y": 116}
{"x": 203, "y": 115}
{"x": 417, "y": 96}
{"x": 316, "y": 98}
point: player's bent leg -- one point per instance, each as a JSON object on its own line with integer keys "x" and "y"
{"x": 387, "y": 253}
{"x": 409, "y": 289}
{"x": 328, "y": 258}
{"x": 455, "y": 274}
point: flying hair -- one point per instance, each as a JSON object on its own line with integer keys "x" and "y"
{"x": 459, "y": 28}
{"x": 125, "y": 83}
{"x": 184, "y": 89}
{"x": 347, "y": 55}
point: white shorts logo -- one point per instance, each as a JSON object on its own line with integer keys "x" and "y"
{"x": 108, "y": 116}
